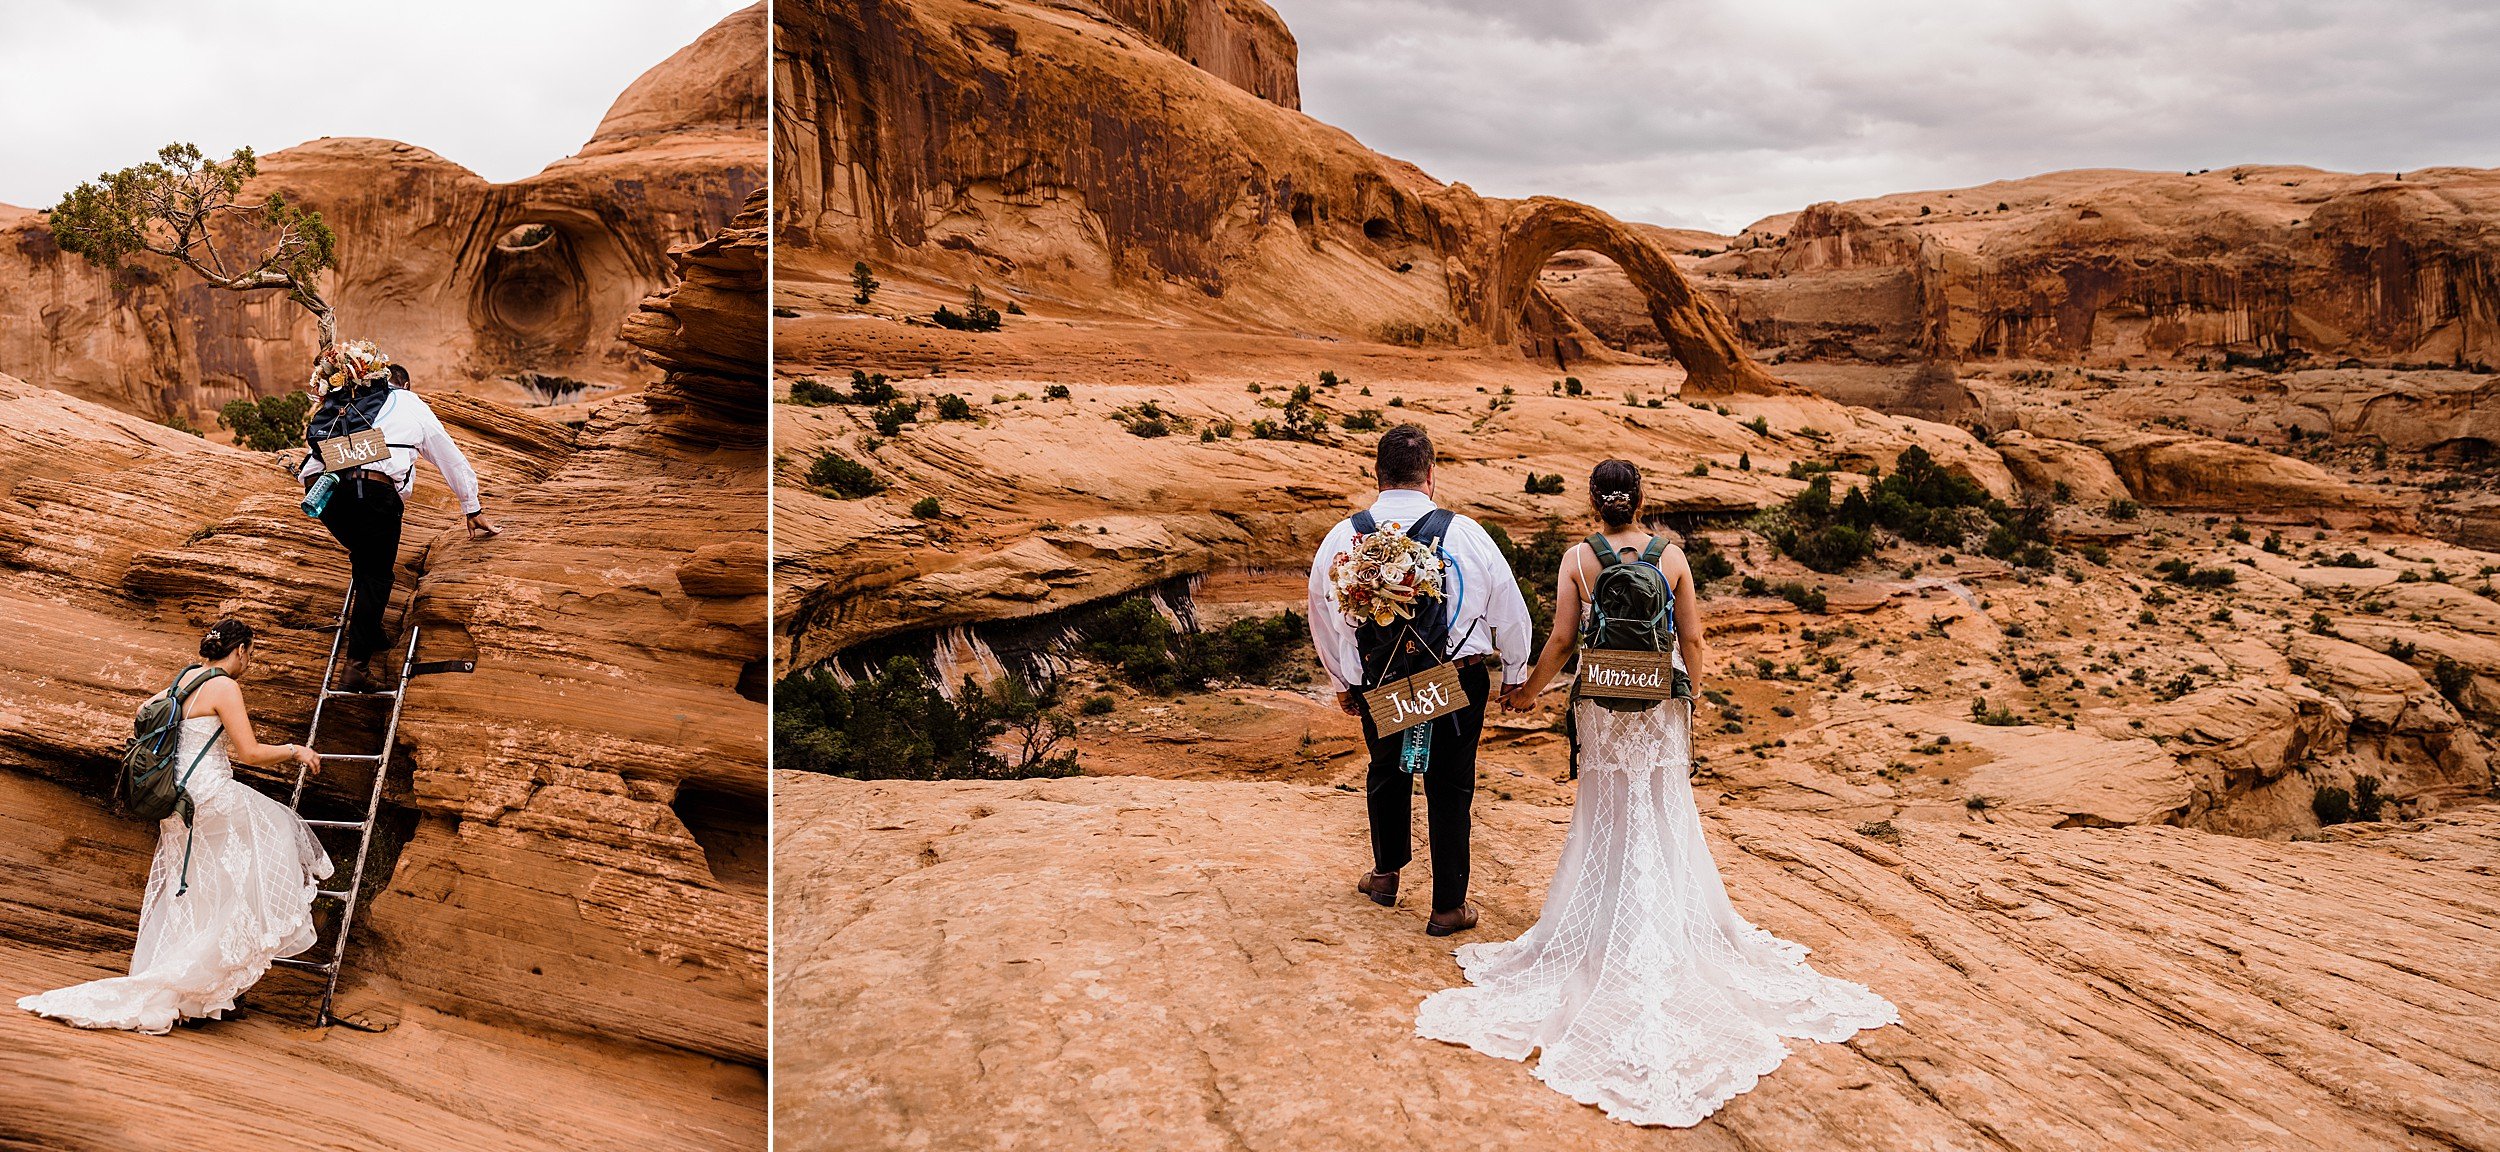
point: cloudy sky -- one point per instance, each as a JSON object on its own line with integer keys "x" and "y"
{"x": 501, "y": 86}
{"x": 1715, "y": 113}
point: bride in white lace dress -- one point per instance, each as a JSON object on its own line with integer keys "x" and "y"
{"x": 226, "y": 895}
{"x": 1641, "y": 988}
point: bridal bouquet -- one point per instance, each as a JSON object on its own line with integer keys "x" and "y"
{"x": 1379, "y": 579}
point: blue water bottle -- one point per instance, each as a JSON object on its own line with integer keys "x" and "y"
{"x": 317, "y": 497}
{"x": 1416, "y": 755}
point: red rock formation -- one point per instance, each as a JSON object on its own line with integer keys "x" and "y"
{"x": 1038, "y": 148}
{"x": 469, "y": 283}
{"x": 2102, "y": 266}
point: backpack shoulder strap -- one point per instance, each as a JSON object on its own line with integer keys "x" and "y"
{"x": 1432, "y": 526}
{"x": 1363, "y": 523}
{"x": 1657, "y": 548}
{"x": 1605, "y": 551}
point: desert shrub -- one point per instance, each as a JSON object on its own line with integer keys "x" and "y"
{"x": 1806, "y": 598}
{"x": 1148, "y": 651}
{"x": 267, "y": 424}
{"x": 1328, "y": 378}
{"x": 977, "y": 315}
{"x": 897, "y": 725}
{"x": 890, "y": 417}
{"x": 1055, "y": 392}
{"x": 180, "y": 423}
{"x": 2367, "y": 800}
{"x": 809, "y": 392}
{"x": 1099, "y": 705}
{"x": 1997, "y": 717}
{"x": 2331, "y": 804}
{"x": 2124, "y": 509}
{"x": 2182, "y": 573}
{"x": 1363, "y": 420}
{"x": 863, "y": 282}
{"x": 868, "y": 388}
{"x": 1707, "y": 562}
{"x": 2094, "y": 553}
{"x": 1571, "y": 386}
{"x": 842, "y": 477}
{"x": 953, "y": 407}
{"x": 1532, "y": 566}
{"x": 2452, "y": 678}
{"x": 1761, "y": 425}
{"x": 1549, "y": 484}
{"x": 925, "y": 508}
{"x": 2347, "y": 560}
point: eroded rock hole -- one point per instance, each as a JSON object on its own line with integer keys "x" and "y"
{"x": 1379, "y": 230}
{"x": 730, "y": 827}
{"x": 1305, "y": 212}
{"x": 532, "y": 295}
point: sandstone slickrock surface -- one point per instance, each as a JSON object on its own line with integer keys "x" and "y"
{"x": 471, "y": 284}
{"x": 1119, "y": 962}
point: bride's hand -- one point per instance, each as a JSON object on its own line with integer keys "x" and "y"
{"x": 309, "y": 759}
{"x": 1350, "y": 704}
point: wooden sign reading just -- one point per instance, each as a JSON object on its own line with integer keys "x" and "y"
{"x": 354, "y": 450}
{"x": 1427, "y": 695}
{"x": 1617, "y": 675}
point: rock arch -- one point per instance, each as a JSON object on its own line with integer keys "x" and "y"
{"x": 1510, "y": 241}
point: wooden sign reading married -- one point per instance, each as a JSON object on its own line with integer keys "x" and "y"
{"x": 354, "y": 450}
{"x": 1617, "y": 675}
{"x": 1428, "y": 695}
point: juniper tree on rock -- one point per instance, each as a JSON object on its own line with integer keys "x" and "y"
{"x": 184, "y": 207}
{"x": 863, "y": 282}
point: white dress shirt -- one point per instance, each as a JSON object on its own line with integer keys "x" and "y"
{"x": 407, "y": 419}
{"x": 1489, "y": 611}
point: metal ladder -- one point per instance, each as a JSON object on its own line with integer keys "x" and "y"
{"x": 334, "y": 961}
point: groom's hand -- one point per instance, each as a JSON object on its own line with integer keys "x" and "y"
{"x": 1513, "y": 699}
{"x": 1350, "y": 704}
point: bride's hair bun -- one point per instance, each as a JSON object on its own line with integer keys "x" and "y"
{"x": 1615, "y": 491}
{"x": 223, "y": 637}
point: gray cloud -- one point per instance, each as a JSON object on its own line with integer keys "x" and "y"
{"x": 501, "y": 87}
{"x": 1714, "y": 113}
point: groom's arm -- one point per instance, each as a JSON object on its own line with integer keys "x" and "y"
{"x": 1506, "y": 614}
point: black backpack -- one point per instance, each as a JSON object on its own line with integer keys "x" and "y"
{"x": 1403, "y": 648}
{"x": 346, "y": 411}
{"x": 149, "y": 787}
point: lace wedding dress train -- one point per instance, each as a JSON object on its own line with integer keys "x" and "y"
{"x": 1641, "y": 988}
{"x": 254, "y": 868}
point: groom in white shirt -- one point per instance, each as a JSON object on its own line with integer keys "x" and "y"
{"x": 364, "y": 512}
{"x": 1488, "y": 623}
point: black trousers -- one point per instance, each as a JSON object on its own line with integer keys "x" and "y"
{"x": 364, "y": 517}
{"x": 1449, "y": 791}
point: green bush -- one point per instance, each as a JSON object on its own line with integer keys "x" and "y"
{"x": 977, "y": 315}
{"x": 1707, "y": 562}
{"x": 868, "y": 389}
{"x": 840, "y": 476}
{"x": 2453, "y": 678}
{"x": 1147, "y": 651}
{"x": 2188, "y": 575}
{"x": 809, "y": 392}
{"x": 268, "y": 424}
{"x": 1100, "y": 704}
{"x": 2124, "y": 509}
{"x": 1550, "y": 484}
{"x": 1363, "y": 420}
{"x": 897, "y": 725}
{"x": 953, "y": 407}
{"x": 890, "y": 418}
{"x": 2331, "y": 805}
{"x": 926, "y": 508}
{"x": 1055, "y": 392}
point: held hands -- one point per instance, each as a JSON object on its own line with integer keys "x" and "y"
{"x": 1517, "y": 697}
{"x": 1350, "y": 704}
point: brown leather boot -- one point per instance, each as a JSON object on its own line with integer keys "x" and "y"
{"x": 1382, "y": 887}
{"x": 1458, "y": 919}
{"x": 355, "y": 676}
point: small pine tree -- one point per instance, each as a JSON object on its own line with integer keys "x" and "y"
{"x": 863, "y": 284}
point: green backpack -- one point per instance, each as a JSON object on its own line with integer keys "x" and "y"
{"x": 1631, "y": 608}
{"x": 149, "y": 788}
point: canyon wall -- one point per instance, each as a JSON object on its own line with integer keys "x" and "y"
{"x": 470, "y": 283}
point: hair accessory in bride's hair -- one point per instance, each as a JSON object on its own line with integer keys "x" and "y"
{"x": 1614, "y": 499}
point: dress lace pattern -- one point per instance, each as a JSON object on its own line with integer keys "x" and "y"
{"x": 254, "y": 869}
{"x": 1640, "y": 987}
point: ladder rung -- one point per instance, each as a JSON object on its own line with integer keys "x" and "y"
{"x": 350, "y": 756}
{"x": 333, "y": 893}
{"x": 355, "y": 824}
{"x": 296, "y": 962}
{"x": 334, "y": 693}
